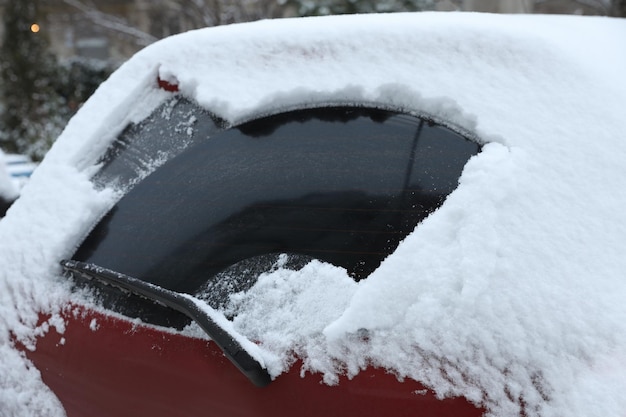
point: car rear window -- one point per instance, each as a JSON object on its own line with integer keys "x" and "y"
{"x": 209, "y": 208}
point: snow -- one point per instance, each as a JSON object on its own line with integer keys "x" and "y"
{"x": 511, "y": 294}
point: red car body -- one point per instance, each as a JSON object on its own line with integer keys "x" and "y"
{"x": 103, "y": 365}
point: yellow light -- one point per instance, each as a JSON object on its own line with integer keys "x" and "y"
{"x": 34, "y": 28}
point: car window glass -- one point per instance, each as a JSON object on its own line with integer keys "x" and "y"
{"x": 143, "y": 147}
{"x": 341, "y": 184}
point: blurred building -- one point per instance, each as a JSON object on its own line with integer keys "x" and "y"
{"x": 112, "y": 30}
{"x": 581, "y": 7}
{"x": 498, "y": 6}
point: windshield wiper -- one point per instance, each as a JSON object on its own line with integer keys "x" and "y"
{"x": 202, "y": 314}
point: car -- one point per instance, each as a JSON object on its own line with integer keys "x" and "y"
{"x": 20, "y": 167}
{"x": 401, "y": 214}
{"x": 15, "y": 170}
{"x": 8, "y": 193}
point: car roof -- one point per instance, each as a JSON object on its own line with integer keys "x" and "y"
{"x": 517, "y": 277}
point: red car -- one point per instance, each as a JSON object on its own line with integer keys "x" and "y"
{"x": 366, "y": 215}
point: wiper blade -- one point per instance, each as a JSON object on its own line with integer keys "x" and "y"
{"x": 193, "y": 308}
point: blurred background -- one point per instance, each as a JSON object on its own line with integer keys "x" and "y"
{"x": 55, "y": 53}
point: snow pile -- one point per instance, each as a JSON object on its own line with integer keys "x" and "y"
{"x": 511, "y": 294}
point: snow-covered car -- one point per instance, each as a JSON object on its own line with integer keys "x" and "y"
{"x": 399, "y": 215}
{"x": 15, "y": 171}
{"x": 20, "y": 167}
{"x": 8, "y": 191}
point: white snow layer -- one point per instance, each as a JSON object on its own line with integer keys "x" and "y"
{"x": 511, "y": 294}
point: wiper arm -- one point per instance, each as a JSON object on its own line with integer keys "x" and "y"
{"x": 204, "y": 316}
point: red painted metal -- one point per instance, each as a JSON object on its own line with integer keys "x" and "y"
{"x": 123, "y": 369}
{"x": 167, "y": 86}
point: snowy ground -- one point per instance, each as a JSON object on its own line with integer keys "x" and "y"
{"x": 511, "y": 294}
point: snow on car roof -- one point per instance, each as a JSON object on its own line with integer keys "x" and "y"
{"x": 511, "y": 294}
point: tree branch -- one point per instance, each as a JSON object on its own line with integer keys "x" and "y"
{"x": 112, "y": 22}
